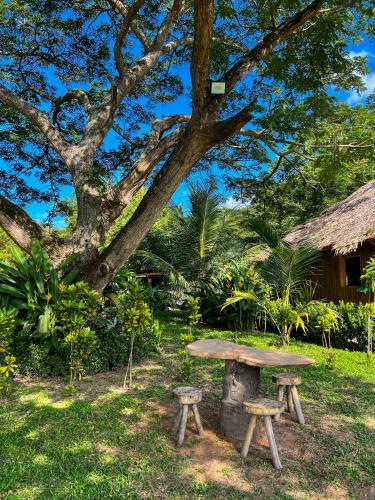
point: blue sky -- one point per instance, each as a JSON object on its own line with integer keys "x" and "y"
{"x": 39, "y": 210}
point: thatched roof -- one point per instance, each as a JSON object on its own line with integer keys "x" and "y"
{"x": 341, "y": 227}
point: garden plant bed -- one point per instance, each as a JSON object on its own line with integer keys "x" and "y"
{"x": 109, "y": 442}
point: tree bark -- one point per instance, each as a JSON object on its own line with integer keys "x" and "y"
{"x": 241, "y": 383}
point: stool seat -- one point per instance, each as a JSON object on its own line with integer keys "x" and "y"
{"x": 263, "y": 406}
{"x": 288, "y": 382}
{"x": 286, "y": 379}
{"x": 188, "y": 395}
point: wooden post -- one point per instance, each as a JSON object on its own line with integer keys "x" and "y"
{"x": 272, "y": 443}
{"x": 249, "y": 435}
{"x": 181, "y": 433}
{"x": 289, "y": 399}
{"x": 297, "y": 405}
{"x": 280, "y": 397}
{"x": 241, "y": 383}
{"x": 197, "y": 419}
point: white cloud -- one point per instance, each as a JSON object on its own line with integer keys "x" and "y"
{"x": 361, "y": 53}
{"x": 231, "y": 202}
{"x": 369, "y": 82}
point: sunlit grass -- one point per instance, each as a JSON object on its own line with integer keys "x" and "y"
{"x": 104, "y": 442}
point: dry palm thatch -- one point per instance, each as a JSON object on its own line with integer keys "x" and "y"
{"x": 341, "y": 227}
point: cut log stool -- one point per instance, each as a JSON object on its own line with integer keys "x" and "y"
{"x": 186, "y": 396}
{"x": 267, "y": 408}
{"x": 289, "y": 382}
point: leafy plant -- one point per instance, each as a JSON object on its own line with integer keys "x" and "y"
{"x": 327, "y": 323}
{"x": 77, "y": 306}
{"x": 136, "y": 317}
{"x": 192, "y": 307}
{"x": 31, "y": 287}
{"x": 369, "y": 277}
{"x": 186, "y": 366}
{"x": 7, "y": 360}
{"x": 237, "y": 315}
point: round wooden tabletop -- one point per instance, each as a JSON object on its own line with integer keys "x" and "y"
{"x": 222, "y": 349}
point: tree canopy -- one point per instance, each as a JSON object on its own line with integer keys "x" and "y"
{"x": 87, "y": 85}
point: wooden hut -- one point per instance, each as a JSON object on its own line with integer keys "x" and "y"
{"x": 345, "y": 235}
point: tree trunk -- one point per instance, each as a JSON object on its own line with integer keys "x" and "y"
{"x": 187, "y": 152}
{"x": 241, "y": 383}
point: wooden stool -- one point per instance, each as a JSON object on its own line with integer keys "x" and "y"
{"x": 186, "y": 396}
{"x": 262, "y": 407}
{"x": 290, "y": 382}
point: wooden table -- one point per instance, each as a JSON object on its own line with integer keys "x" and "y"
{"x": 242, "y": 377}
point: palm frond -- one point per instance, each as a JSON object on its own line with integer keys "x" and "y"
{"x": 265, "y": 232}
{"x": 174, "y": 276}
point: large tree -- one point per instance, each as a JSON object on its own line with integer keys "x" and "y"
{"x": 77, "y": 72}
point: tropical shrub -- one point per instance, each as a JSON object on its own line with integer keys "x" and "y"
{"x": 60, "y": 328}
{"x": 369, "y": 278}
{"x": 75, "y": 308}
{"x": 351, "y": 331}
{"x": 7, "y": 360}
{"x": 134, "y": 313}
{"x": 31, "y": 287}
{"x": 192, "y": 305}
{"x": 239, "y": 315}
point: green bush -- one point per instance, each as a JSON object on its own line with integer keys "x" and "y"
{"x": 351, "y": 331}
{"x": 31, "y": 287}
{"x": 7, "y": 360}
{"x": 241, "y": 316}
{"x": 57, "y": 327}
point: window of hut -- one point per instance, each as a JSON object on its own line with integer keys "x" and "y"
{"x": 352, "y": 271}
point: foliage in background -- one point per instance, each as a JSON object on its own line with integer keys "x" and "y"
{"x": 286, "y": 272}
{"x": 352, "y": 329}
{"x": 76, "y": 308}
{"x": 7, "y": 360}
{"x": 6, "y": 245}
{"x": 238, "y": 316}
{"x": 369, "y": 277}
{"x": 195, "y": 245}
{"x": 301, "y": 189}
{"x": 135, "y": 315}
{"x": 192, "y": 305}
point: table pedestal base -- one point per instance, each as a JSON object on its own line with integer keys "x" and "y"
{"x": 241, "y": 382}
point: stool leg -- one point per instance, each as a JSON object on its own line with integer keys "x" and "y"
{"x": 181, "y": 432}
{"x": 177, "y": 421}
{"x": 248, "y": 437}
{"x": 297, "y": 405}
{"x": 280, "y": 397}
{"x": 289, "y": 399}
{"x": 272, "y": 443}
{"x": 197, "y": 419}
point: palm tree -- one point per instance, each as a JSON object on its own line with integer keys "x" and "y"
{"x": 200, "y": 243}
{"x": 287, "y": 271}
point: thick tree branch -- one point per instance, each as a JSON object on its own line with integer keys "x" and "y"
{"x": 59, "y": 144}
{"x": 200, "y": 60}
{"x": 18, "y": 225}
{"x": 155, "y": 149}
{"x": 167, "y": 24}
{"x": 124, "y": 29}
{"x": 71, "y": 95}
{"x": 120, "y": 7}
{"x": 244, "y": 65}
{"x": 269, "y": 138}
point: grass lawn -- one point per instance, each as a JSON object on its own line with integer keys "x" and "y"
{"x": 108, "y": 442}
